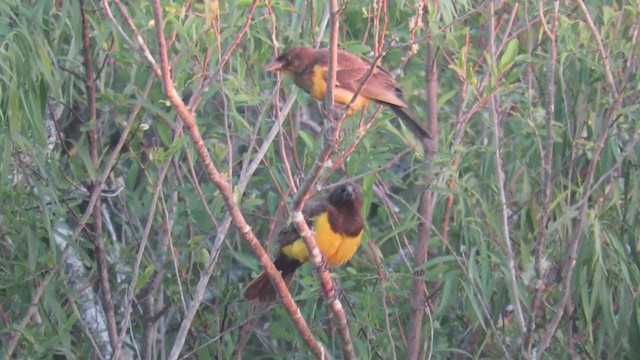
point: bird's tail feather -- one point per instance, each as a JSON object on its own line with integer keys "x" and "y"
{"x": 418, "y": 128}
{"x": 261, "y": 288}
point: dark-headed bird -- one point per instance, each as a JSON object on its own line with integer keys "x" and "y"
{"x": 337, "y": 223}
{"x": 309, "y": 68}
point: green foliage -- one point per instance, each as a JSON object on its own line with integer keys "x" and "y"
{"x": 46, "y": 168}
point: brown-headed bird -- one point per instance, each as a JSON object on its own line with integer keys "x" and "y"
{"x": 337, "y": 223}
{"x": 309, "y": 68}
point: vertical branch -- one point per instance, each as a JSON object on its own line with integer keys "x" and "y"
{"x": 136, "y": 33}
{"x": 33, "y": 308}
{"x": 419, "y": 288}
{"x": 81, "y": 223}
{"x": 227, "y": 193}
{"x": 511, "y": 263}
{"x": 461, "y": 126}
{"x": 129, "y": 297}
{"x": 107, "y": 301}
{"x": 574, "y": 243}
{"x": 605, "y": 56}
{"x": 333, "y": 59}
{"x": 378, "y": 33}
{"x": 331, "y": 142}
{"x": 547, "y": 163}
{"x": 281, "y": 144}
{"x": 571, "y": 252}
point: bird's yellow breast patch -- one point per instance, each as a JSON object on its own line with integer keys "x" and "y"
{"x": 336, "y": 248}
{"x": 340, "y": 95}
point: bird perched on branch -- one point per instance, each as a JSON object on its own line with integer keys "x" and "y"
{"x": 337, "y": 223}
{"x": 309, "y": 69}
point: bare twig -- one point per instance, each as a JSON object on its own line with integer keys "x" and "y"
{"x": 331, "y": 142}
{"x": 85, "y": 328}
{"x": 136, "y": 33}
{"x": 511, "y": 263}
{"x": 281, "y": 144}
{"x": 574, "y": 243}
{"x": 383, "y": 281}
{"x": 35, "y": 299}
{"x": 587, "y": 189}
{"x": 98, "y": 242}
{"x": 323, "y": 26}
{"x": 333, "y": 59}
{"x": 382, "y": 168}
{"x": 605, "y": 56}
{"x": 547, "y": 163}
{"x": 124, "y": 324}
{"x": 427, "y": 201}
{"x": 345, "y": 154}
{"x": 228, "y": 195}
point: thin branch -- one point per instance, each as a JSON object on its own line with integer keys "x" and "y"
{"x": 333, "y": 60}
{"x": 380, "y": 169}
{"x": 227, "y": 193}
{"x": 33, "y": 308}
{"x": 129, "y": 298}
{"x": 136, "y": 33}
{"x": 99, "y": 250}
{"x": 331, "y": 142}
{"x": 605, "y": 56}
{"x": 427, "y": 201}
{"x": 571, "y": 253}
{"x": 81, "y": 223}
{"x": 323, "y": 26}
{"x": 504, "y": 216}
{"x": 547, "y": 163}
{"x": 362, "y": 130}
{"x": 85, "y": 327}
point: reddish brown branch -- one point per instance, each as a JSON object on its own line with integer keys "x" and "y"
{"x": 547, "y": 163}
{"x": 503, "y": 213}
{"x": 418, "y": 289}
{"x": 226, "y": 191}
{"x": 98, "y": 242}
{"x": 331, "y": 143}
{"x": 571, "y": 252}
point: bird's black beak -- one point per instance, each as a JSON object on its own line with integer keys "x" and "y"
{"x": 349, "y": 192}
{"x": 275, "y": 65}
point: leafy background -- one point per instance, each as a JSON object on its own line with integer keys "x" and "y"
{"x": 563, "y": 108}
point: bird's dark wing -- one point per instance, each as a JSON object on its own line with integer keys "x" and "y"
{"x": 380, "y": 86}
{"x": 311, "y": 210}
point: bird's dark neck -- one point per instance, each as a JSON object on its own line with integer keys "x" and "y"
{"x": 345, "y": 220}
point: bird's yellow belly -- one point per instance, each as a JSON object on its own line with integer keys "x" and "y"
{"x": 336, "y": 248}
{"x": 340, "y": 95}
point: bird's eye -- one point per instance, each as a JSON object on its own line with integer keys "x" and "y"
{"x": 283, "y": 59}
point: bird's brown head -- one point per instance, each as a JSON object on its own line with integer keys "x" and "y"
{"x": 346, "y": 196}
{"x": 294, "y": 60}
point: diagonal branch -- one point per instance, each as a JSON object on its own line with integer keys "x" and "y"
{"x": 226, "y": 191}
{"x": 331, "y": 143}
{"x": 601, "y": 49}
{"x": 547, "y": 163}
{"x": 511, "y": 264}
{"x": 98, "y": 242}
{"x": 428, "y": 198}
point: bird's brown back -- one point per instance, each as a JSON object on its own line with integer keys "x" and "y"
{"x": 309, "y": 69}
{"x": 352, "y": 70}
